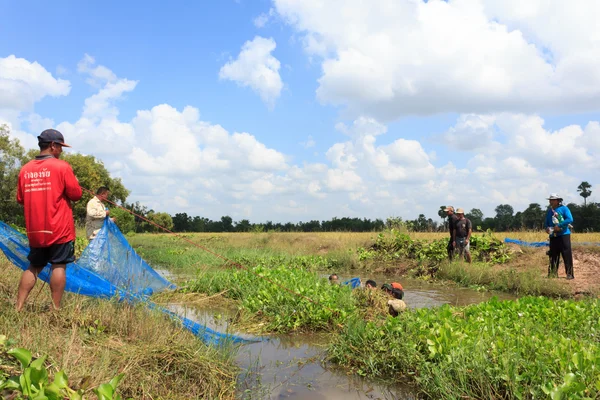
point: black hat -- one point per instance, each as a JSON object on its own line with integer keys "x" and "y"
{"x": 52, "y": 136}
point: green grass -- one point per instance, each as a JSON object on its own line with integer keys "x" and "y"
{"x": 531, "y": 348}
{"x": 511, "y": 280}
{"x": 315, "y": 305}
{"x": 170, "y": 252}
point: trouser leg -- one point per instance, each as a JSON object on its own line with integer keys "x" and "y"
{"x": 555, "y": 248}
{"x": 567, "y": 254}
{"x": 450, "y": 249}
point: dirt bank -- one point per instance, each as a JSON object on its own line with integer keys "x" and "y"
{"x": 586, "y": 267}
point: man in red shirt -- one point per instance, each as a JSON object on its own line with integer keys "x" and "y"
{"x": 46, "y": 188}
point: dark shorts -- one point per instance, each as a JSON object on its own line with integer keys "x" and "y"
{"x": 62, "y": 253}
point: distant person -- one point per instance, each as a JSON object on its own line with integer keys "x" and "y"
{"x": 452, "y": 218}
{"x": 46, "y": 188}
{"x": 333, "y": 279}
{"x": 371, "y": 284}
{"x": 96, "y": 212}
{"x": 557, "y": 224}
{"x": 462, "y": 235}
{"x": 393, "y": 289}
{"x": 396, "y": 306}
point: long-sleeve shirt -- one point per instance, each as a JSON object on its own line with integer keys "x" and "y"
{"x": 564, "y": 224}
{"x": 94, "y": 219}
{"x": 46, "y": 188}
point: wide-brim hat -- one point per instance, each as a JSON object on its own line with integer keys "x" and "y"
{"x": 460, "y": 211}
{"x": 554, "y": 196}
{"x": 449, "y": 208}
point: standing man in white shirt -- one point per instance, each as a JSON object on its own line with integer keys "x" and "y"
{"x": 96, "y": 212}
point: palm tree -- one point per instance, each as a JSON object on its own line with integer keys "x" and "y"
{"x": 584, "y": 191}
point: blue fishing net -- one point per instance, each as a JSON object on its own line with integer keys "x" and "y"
{"x": 110, "y": 267}
{"x": 112, "y": 258}
{"x": 528, "y": 244}
{"x": 354, "y": 282}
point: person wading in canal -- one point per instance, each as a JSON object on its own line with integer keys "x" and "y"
{"x": 46, "y": 188}
{"x": 557, "y": 223}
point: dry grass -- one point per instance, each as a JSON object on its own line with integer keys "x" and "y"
{"x": 93, "y": 340}
{"x": 301, "y": 243}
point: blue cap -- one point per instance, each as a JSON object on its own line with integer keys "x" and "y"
{"x": 52, "y": 136}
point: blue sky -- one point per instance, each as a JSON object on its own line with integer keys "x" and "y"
{"x": 441, "y": 102}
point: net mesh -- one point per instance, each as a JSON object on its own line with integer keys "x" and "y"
{"x": 110, "y": 267}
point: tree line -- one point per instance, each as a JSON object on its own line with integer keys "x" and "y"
{"x": 92, "y": 174}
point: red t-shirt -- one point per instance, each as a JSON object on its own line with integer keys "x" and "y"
{"x": 46, "y": 187}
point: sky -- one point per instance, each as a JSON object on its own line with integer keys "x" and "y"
{"x": 295, "y": 110}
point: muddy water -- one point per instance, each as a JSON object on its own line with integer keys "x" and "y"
{"x": 291, "y": 367}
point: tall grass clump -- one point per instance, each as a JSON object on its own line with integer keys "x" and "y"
{"x": 316, "y": 305}
{"x": 530, "y": 348}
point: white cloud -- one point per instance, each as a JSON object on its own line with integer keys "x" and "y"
{"x": 472, "y": 131}
{"x": 23, "y": 83}
{"x": 264, "y": 18}
{"x": 99, "y": 105}
{"x": 571, "y": 147}
{"x": 389, "y": 59}
{"x": 310, "y": 142}
{"x": 181, "y": 202}
{"x": 401, "y": 161}
{"x": 97, "y": 74}
{"x": 174, "y": 161}
{"x": 343, "y": 180}
{"x": 257, "y": 68}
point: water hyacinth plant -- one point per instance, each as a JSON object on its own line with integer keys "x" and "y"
{"x": 285, "y": 298}
{"x": 533, "y": 347}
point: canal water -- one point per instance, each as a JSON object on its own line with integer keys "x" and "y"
{"x": 291, "y": 366}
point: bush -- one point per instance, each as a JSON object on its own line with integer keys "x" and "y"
{"x": 124, "y": 220}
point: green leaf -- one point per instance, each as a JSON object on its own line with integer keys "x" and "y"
{"x": 38, "y": 363}
{"x": 114, "y": 382}
{"x": 52, "y": 390}
{"x": 78, "y": 395}
{"x": 39, "y": 376}
{"x": 40, "y": 396}
{"x": 11, "y": 384}
{"x": 61, "y": 380}
{"x": 25, "y": 381}
{"x": 23, "y": 355}
{"x": 569, "y": 378}
{"x": 104, "y": 391}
